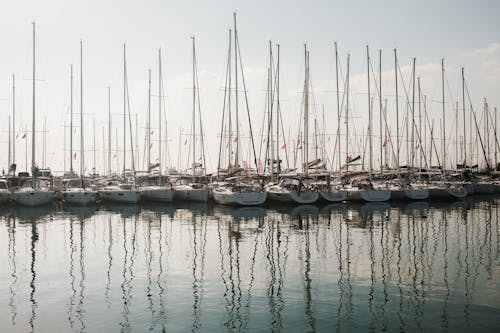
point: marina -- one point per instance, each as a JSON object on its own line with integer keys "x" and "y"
{"x": 259, "y": 167}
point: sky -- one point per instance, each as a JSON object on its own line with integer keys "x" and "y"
{"x": 464, "y": 33}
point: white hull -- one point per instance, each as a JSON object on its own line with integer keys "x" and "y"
{"x": 304, "y": 197}
{"x": 369, "y": 195}
{"x": 32, "y": 198}
{"x": 120, "y": 195}
{"x": 333, "y": 196}
{"x": 79, "y": 196}
{"x": 157, "y": 193}
{"x": 228, "y": 197}
{"x": 191, "y": 194}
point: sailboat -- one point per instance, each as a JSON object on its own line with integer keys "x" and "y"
{"x": 123, "y": 192}
{"x": 335, "y": 191}
{"x": 241, "y": 190}
{"x": 188, "y": 188}
{"x": 363, "y": 188}
{"x": 78, "y": 191}
{"x": 296, "y": 189}
{"x": 152, "y": 188}
{"x": 36, "y": 192}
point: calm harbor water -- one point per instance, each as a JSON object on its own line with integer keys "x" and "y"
{"x": 415, "y": 267}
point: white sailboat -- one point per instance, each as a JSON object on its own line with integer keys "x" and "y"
{"x": 193, "y": 191}
{"x": 244, "y": 190}
{"x": 116, "y": 191}
{"x": 297, "y": 189}
{"x": 34, "y": 193}
{"x": 152, "y": 188}
{"x": 76, "y": 191}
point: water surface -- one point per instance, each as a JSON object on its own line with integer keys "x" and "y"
{"x": 201, "y": 268}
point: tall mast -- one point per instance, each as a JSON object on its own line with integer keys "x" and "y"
{"x": 444, "y": 119}
{"x": 81, "y": 112}
{"x": 370, "y": 165}
{"x": 13, "y": 119}
{"x": 420, "y": 147}
{"x": 109, "y": 131}
{"x": 465, "y": 130}
{"x": 413, "y": 119}
{"x": 10, "y": 152}
{"x": 338, "y": 107}
{"x": 347, "y": 115}
{"x": 397, "y": 108}
{"x": 160, "y": 88}
{"x": 71, "y": 121}
{"x": 495, "y": 127}
{"x": 380, "y": 108}
{"x": 306, "y": 112}
{"x": 124, "y": 106}
{"x": 33, "y": 120}
{"x": 149, "y": 120}
{"x": 194, "y": 112}
{"x": 236, "y": 92}
{"x": 230, "y": 132}
{"x": 278, "y": 112}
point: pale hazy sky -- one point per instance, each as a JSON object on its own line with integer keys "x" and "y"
{"x": 465, "y": 33}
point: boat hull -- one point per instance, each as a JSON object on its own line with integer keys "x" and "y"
{"x": 369, "y": 195}
{"x": 484, "y": 188}
{"x": 82, "y": 197}
{"x": 157, "y": 194}
{"x": 333, "y": 196}
{"x": 195, "y": 194}
{"x": 447, "y": 193}
{"x": 123, "y": 196}
{"x": 33, "y": 198}
{"x": 305, "y": 197}
{"x": 239, "y": 198}
{"x": 4, "y": 196}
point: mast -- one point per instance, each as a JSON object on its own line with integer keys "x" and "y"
{"x": 160, "y": 88}
{"x": 413, "y": 119}
{"x": 33, "y": 120}
{"x": 444, "y": 119}
{"x": 81, "y": 113}
{"x": 13, "y": 119}
{"x": 149, "y": 120}
{"x": 370, "y": 165}
{"x": 124, "y": 107}
{"x": 420, "y": 127}
{"x": 236, "y": 92}
{"x": 306, "y": 112}
{"x": 9, "y": 154}
{"x": 278, "y": 113}
{"x": 347, "y": 116}
{"x": 71, "y": 121}
{"x": 109, "y": 131}
{"x": 194, "y": 113}
{"x": 463, "y": 107}
{"x": 397, "y": 108}
{"x": 496, "y": 146}
{"x": 381, "y": 110}
{"x": 338, "y": 107}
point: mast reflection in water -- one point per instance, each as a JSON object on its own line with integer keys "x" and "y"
{"x": 199, "y": 268}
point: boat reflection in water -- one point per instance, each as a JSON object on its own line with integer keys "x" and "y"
{"x": 420, "y": 266}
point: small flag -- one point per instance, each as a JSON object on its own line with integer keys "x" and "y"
{"x": 152, "y": 132}
{"x": 284, "y": 146}
{"x": 386, "y": 141}
{"x": 24, "y": 136}
{"x": 150, "y": 145}
{"x": 74, "y": 156}
{"x": 298, "y": 141}
{"x": 185, "y": 142}
{"x": 17, "y": 135}
{"x": 235, "y": 139}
